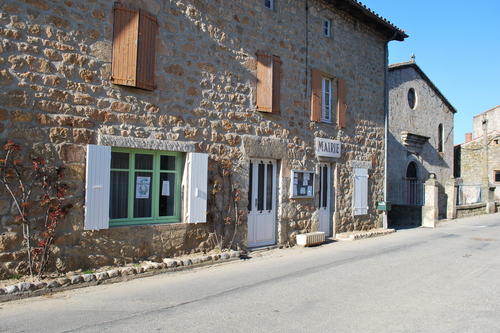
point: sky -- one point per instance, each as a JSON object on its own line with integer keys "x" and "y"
{"x": 456, "y": 44}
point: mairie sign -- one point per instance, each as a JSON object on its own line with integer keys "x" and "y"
{"x": 328, "y": 148}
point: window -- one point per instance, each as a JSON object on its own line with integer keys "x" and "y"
{"x": 269, "y": 4}
{"x": 440, "y": 138}
{"x": 360, "y": 191}
{"x": 326, "y": 100}
{"x": 323, "y": 93}
{"x": 268, "y": 82}
{"x": 145, "y": 187}
{"x": 327, "y": 27}
{"x": 134, "y": 39}
{"x": 133, "y": 186}
{"x": 412, "y": 98}
{"x": 496, "y": 176}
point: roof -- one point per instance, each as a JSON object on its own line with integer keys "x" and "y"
{"x": 413, "y": 64}
{"x": 367, "y": 16}
{"x": 496, "y": 107}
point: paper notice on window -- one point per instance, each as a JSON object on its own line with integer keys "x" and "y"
{"x": 165, "y": 188}
{"x": 142, "y": 187}
{"x": 309, "y": 191}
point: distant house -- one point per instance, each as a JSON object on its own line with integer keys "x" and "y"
{"x": 477, "y": 160}
{"x": 420, "y": 141}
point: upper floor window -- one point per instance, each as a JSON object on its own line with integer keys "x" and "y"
{"x": 327, "y": 27}
{"x": 440, "y": 138}
{"x": 134, "y": 40}
{"x": 496, "y": 176}
{"x": 412, "y": 98}
{"x": 326, "y": 97}
{"x": 326, "y": 100}
{"x": 269, "y": 4}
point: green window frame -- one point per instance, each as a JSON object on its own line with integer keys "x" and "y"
{"x": 145, "y": 187}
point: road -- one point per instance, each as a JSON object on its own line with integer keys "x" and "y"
{"x": 445, "y": 279}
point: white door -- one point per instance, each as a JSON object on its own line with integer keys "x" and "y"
{"x": 262, "y": 203}
{"x": 325, "y": 198}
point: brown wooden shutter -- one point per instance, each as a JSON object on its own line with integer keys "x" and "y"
{"x": 134, "y": 40}
{"x": 341, "y": 103}
{"x": 276, "y": 84}
{"x": 316, "y": 95}
{"x": 268, "y": 82}
{"x": 148, "y": 28}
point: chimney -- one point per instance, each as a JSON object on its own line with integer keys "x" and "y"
{"x": 468, "y": 137}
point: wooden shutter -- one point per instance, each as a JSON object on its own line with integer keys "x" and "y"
{"x": 148, "y": 28}
{"x": 197, "y": 188}
{"x": 97, "y": 187}
{"x": 316, "y": 94}
{"x": 341, "y": 103}
{"x": 268, "y": 82}
{"x": 134, "y": 40}
{"x": 360, "y": 191}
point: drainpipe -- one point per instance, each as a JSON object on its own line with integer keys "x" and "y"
{"x": 386, "y": 121}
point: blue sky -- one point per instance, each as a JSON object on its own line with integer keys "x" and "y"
{"x": 456, "y": 44}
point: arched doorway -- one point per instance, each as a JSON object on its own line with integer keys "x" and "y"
{"x": 413, "y": 186}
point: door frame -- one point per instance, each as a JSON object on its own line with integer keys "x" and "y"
{"x": 253, "y": 213}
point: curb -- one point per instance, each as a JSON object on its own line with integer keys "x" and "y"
{"x": 26, "y": 289}
{"x": 351, "y": 236}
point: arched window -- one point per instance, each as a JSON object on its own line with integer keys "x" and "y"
{"x": 413, "y": 189}
{"x": 440, "y": 138}
{"x": 411, "y": 171}
{"x": 412, "y": 98}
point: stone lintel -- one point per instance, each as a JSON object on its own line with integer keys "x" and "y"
{"x": 138, "y": 143}
{"x": 264, "y": 147}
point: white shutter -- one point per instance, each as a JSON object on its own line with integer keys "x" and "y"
{"x": 97, "y": 187}
{"x": 197, "y": 188}
{"x": 360, "y": 191}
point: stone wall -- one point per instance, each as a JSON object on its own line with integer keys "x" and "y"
{"x": 493, "y": 117}
{"x": 56, "y": 97}
{"x": 471, "y": 161}
{"x": 429, "y": 105}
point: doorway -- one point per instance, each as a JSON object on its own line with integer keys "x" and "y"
{"x": 262, "y": 203}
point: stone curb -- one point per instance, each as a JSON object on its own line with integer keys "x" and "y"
{"x": 26, "y": 289}
{"x": 360, "y": 235}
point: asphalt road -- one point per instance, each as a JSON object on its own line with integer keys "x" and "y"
{"x": 445, "y": 279}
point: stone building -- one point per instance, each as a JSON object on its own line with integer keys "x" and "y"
{"x": 477, "y": 161}
{"x": 420, "y": 141}
{"x": 193, "y": 124}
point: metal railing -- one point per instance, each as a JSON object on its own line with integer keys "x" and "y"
{"x": 407, "y": 192}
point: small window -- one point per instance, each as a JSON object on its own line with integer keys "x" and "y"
{"x": 326, "y": 100}
{"x": 497, "y": 176}
{"x": 269, "y": 4}
{"x": 496, "y": 142}
{"x": 327, "y": 26}
{"x": 440, "y": 138}
{"x": 412, "y": 98}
